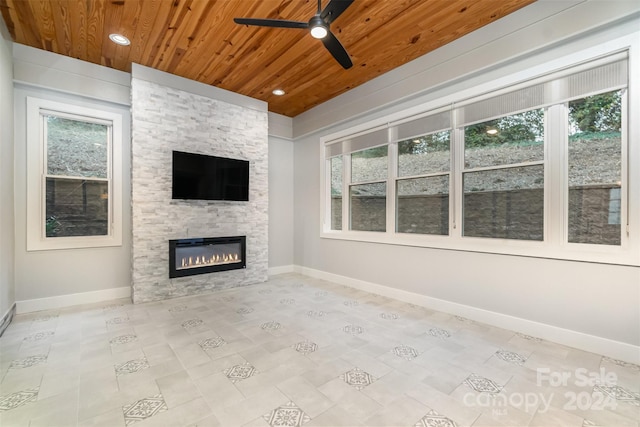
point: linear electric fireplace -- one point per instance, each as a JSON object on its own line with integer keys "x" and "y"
{"x": 188, "y": 257}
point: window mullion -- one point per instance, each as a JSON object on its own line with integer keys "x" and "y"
{"x": 456, "y": 197}
{"x": 43, "y": 176}
{"x": 624, "y": 208}
{"x": 391, "y": 186}
{"x": 556, "y": 178}
{"x": 346, "y": 192}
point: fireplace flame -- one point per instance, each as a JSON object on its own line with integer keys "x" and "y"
{"x": 203, "y": 261}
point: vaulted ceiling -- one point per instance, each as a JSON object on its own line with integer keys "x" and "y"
{"x": 199, "y": 40}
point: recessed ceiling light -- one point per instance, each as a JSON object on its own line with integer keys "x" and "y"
{"x": 119, "y": 39}
{"x": 278, "y": 92}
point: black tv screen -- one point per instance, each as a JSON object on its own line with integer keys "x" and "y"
{"x": 200, "y": 177}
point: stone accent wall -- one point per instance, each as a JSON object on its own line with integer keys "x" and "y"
{"x": 166, "y": 119}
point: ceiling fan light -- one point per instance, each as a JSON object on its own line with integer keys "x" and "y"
{"x": 319, "y": 32}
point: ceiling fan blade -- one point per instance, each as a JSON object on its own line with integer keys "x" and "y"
{"x": 338, "y": 51}
{"x": 334, "y": 9}
{"x": 276, "y": 23}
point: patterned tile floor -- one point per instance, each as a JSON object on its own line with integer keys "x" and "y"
{"x": 297, "y": 351}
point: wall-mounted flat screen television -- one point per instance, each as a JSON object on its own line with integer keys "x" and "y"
{"x": 200, "y": 177}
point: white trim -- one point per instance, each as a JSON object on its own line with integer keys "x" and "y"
{"x": 280, "y": 126}
{"x": 281, "y": 269}
{"x": 36, "y": 158}
{"x": 62, "y": 301}
{"x": 615, "y": 349}
{"x": 32, "y": 67}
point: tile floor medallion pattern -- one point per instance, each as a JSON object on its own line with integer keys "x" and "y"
{"x": 240, "y": 372}
{"x": 357, "y": 378}
{"x": 528, "y": 337}
{"x": 192, "y": 323}
{"x": 270, "y": 326}
{"x": 434, "y": 419}
{"x": 482, "y": 384}
{"x": 46, "y": 318}
{"x": 196, "y": 361}
{"x": 316, "y": 314}
{"x": 288, "y": 415}
{"x": 405, "y": 352}
{"x": 511, "y": 357}
{"x": 144, "y": 408}
{"x": 28, "y": 362}
{"x": 39, "y": 336}
{"x": 389, "y": 316}
{"x": 353, "y": 329}
{"x": 305, "y": 347}
{"x": 621, "y": 363}
{"x": 132, "y": 366}
{"x": 210, "y": 343}
{"x": 439, "y": 333}
{"x": 123, "y": 339}
{"x": 117, "y": 321}
{"x": 618, "y": 393}
{"x": 19, "y": 398}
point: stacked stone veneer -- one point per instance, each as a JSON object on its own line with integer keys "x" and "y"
{"x": 166, "y": 119}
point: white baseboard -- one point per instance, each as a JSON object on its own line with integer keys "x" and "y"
{"x": 282, "y": 269}
{"x": 615, "y": 349}
{"x": 38, "y": 304}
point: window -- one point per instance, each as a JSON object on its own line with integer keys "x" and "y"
{"x": 537, "y": 169}
{"x": 422, "y": 189}
{"x": 503, "y": 177}
{"x": 76, "y": 175}
{"x": 594, "y": 169}
{"x": 71, "y": 192}
{"x": 368, "y": 189}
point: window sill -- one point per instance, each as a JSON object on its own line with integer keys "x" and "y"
{"x": 603, "y": 254}
{"x": 73, "y": 243}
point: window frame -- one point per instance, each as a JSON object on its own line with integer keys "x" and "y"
{"x": 397, "y": 178}
{"x": 555, "y": 244}
{"x": 37, "y": 174}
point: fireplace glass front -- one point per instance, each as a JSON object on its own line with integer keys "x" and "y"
{"x": 188, "y": 257}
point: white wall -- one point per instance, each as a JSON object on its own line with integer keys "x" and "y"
{"x": 280, "y": 203}
{"x": 589, "y": 305}
{"x": 7, "y": 294}
{"x": 58, "y": 276}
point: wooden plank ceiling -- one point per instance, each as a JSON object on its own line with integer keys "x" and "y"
{"x": 198, "y": 39}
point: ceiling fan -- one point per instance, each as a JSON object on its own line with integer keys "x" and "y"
{"x": 318, "y": 26}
